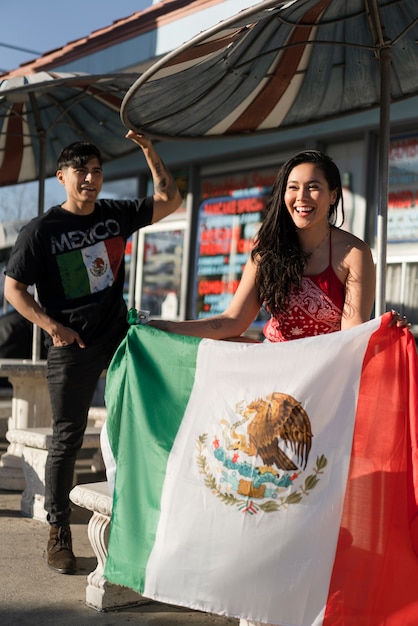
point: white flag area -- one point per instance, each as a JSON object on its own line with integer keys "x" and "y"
{"x": 274, "y": 482}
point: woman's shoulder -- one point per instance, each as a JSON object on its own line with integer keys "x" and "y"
{"x": 347, "y": 241}
{"x": 351, "y": 254}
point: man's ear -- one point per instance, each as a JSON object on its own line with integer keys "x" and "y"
{"x": 60, "y": 176}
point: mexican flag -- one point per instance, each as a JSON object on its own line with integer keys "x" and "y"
{"x": 273, "y": 482}
{"x": 90, "y": 270}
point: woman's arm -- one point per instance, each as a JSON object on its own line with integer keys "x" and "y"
{"x": 232, "y": 322}
{"x": 360, "y": 285}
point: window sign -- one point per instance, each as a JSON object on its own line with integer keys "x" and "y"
{"x": 219, "y": 186}
{"x": 403, "y": 190}
{"x": 159, "y": 279}
{"x": 226, "y": 230}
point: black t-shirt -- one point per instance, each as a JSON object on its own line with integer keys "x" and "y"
{"x": 77, "y": 264}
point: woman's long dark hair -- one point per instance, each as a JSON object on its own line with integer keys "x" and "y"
{"x": 277, "y": 251}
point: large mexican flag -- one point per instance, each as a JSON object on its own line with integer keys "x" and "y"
{"x": 274, "y": 482}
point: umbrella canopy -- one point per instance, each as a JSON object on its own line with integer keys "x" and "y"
{"x": 42, "y": 113}
{"x": 284, "y": 64}
{"x": 278, "y": 65}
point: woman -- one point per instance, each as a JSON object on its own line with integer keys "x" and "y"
{"x": 311, "y": 276}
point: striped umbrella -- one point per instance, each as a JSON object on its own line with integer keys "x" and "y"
{"x": 285, "y": 64}
{"x": 42, "y": 113}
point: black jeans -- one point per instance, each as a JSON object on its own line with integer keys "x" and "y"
{"x": 72, "y": 374}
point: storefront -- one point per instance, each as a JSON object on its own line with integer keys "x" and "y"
{"x": 190, "y": 264}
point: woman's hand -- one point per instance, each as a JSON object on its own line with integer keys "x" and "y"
{"x": 399, "y": 320}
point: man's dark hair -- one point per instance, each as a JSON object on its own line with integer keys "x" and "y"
{"x": 78, "y": 154}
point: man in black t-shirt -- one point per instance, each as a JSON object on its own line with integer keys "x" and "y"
{"x": 74, "y": 255}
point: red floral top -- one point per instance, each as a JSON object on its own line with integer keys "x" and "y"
{"x": 315, "y": 309}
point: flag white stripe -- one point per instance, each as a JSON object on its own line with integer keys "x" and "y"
{"x": 99, "y": 271}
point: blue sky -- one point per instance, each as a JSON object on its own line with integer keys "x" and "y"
{"x": 44, "y": 25}
{"x": 41, "y": 26}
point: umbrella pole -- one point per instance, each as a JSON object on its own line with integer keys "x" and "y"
{"x": 36, "y": 341}
{"x": 382, "y": 209}
{"x": 42, "y": 159}
{"x": 36, "y": 336}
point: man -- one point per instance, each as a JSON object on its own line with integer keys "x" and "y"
{"x": 74, "y": 255}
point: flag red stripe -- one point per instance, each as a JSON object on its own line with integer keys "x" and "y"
{"x": 374, "y": 579}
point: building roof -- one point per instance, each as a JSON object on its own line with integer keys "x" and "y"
{"x": 122, "y": 30}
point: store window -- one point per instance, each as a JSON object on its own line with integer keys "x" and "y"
{"x": 402, "y": 287}
{"x": 227, "y": 227}
{"x": 402, "y": 265}
{"x": 350, "y": 159}
{"x": 230, "y": 215}
{"x": 156, "y": 256}
{"x": 403, "y": 189}
{"x": 160, "y": 276}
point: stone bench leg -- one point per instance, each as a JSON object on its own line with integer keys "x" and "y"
{"x": 30, "y": 408}
{"x": 35, "y": 443}
{"x": 33, "y": 495}
{"x": 100, "y": 594}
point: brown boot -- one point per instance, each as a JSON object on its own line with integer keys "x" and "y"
{"x": 60, "y": 551}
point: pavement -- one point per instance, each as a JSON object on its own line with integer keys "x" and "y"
{"x": 32, "y": 594}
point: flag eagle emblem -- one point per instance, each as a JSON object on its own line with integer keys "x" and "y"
{"x": 99, "y": 267}
{"x": 276, "y": 429}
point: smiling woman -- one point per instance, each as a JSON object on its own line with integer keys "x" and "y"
{"x": 310, "y": 275}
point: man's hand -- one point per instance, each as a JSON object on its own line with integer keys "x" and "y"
{"x": 65, "y": 336}
{"x": 142, "y": 141}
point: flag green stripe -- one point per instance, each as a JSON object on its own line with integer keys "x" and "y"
{"x": 158, "y": 405}
{"x": 75, "y": 280}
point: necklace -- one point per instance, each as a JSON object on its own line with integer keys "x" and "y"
{"x": 320, "y": 243}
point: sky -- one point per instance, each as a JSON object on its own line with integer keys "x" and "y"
{"x": 43, "y": 25}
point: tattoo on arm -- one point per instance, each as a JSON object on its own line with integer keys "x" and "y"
{"x": 159, "y": 168}
{"x": 164, "y": 182}
{"x": 215, "y": 324}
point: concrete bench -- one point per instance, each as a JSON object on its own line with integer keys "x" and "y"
{"x": 34, "y": 443}
{"x": 100, "y": 594}
{"x": 30, "y": 408}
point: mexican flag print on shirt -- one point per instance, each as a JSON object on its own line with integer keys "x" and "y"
{"x": 273, "y": 482}
{"x": 92, "y": 269}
